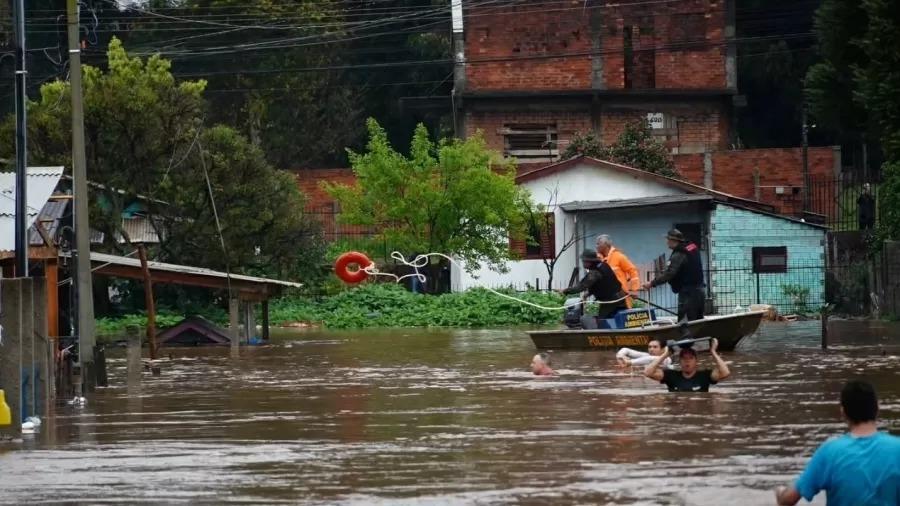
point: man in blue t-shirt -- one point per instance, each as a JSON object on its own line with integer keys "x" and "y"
{"x": 861, "y": 467}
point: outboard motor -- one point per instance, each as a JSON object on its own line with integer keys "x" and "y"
{"x": 574, "y": 312}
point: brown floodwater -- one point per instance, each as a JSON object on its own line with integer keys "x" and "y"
{"x": 413, "y": 416}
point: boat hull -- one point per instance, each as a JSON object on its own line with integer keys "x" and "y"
{"x": 730, "y": 330}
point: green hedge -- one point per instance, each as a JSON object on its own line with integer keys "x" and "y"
{"x": 390, "y": 305}
{"x": 383, "y": 305}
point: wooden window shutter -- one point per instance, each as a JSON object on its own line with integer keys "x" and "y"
{"x": 548, "y": 237}
{"x": 517, "y": 247}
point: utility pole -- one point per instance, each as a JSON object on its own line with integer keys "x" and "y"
{"x": 806, "y": 182}
{"x": 459, "y": 66}
{"x": 85, "y": 298}
{"x": 21, "y": 144}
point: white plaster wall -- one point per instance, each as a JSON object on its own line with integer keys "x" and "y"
{"x": 579, "y": 183}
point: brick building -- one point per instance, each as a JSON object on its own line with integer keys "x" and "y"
{"x": 535, "y": 73}
{"x": 531, "y": 75}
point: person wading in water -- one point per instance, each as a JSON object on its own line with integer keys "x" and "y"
{"x": 860, "y": 467}
{"x": 689, "y": 379}
{"x": 540, "y": 365}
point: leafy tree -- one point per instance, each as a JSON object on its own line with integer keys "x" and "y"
{"x": 260, "y": 209}
{"x": 586, "y": 144}
{"x": 635, "y": 147}
{"x": 878, "y": 80}
{"x": 146, "y": 136}
{"x": 453, "y": 197}
{"x": 879, "y": 77}
{"x": 541, "y": 225}
{"x": 830, "y": 83}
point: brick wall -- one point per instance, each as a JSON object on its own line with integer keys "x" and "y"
{"x": 500, "y": 36}
{"x": 732, "y": 172}
{"x": 674, "y": 45}
{"x": 702, "y": 129}
{"x": 490, "y": 123}
{"x": 309, "y": 181}
{"x": 735, "y": 232}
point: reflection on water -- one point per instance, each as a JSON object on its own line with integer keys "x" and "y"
{"x": 436, "y": 417}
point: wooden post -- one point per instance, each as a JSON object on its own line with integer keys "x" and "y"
{"x": 825, "y": 329}
{"x": 265, "y": 319}
{"x": 51, "y": 273}
{"x": 148, "y": 299}
{"x": 234, "y": 308}
{"x": 249, "y": 320}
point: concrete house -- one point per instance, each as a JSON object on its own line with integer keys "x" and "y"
{"x": 750, "y": 253}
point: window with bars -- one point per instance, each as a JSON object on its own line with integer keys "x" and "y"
{"x": 770, "y": 259}
{"x": 531, "y": 143}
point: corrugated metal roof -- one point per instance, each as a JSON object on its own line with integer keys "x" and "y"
{"x": 139, "y": 230}
{"x": 104, "y": 258}
{"x": 597, "y": 205}
{"x": 49, "y": 218}
{"x": 41, "y": 182}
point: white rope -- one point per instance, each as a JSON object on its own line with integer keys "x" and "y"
{"x": 422, "y": 261}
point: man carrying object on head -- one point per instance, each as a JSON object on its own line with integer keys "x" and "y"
{"x": 689, "y": 379}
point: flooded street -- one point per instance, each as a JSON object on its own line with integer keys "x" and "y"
{"x": 445, "y": 416}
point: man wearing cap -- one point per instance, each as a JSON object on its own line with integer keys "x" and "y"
{"x": 684, "y": 274}
{"x": 601, "y": 282}
{"x": 689, "y": 379}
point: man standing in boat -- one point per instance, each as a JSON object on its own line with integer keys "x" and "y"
{"x": 684, "y": 274}
{"x": 601, "y": 282}
{"x": 625, "y": 271}
{"x": 689, "y": 379}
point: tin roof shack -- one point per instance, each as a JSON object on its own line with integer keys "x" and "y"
{"x": 751, "y": 254}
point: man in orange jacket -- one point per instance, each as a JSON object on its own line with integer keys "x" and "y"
{"x": 625, "y": 271}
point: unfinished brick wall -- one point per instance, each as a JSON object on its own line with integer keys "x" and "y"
{"x": 733, "y": 172}
{"x": 490, "y": 123}
{"x": 697, "y": 130}
{"x": 680, "y": 43}
{"x": 506, "y": 47}
{"x": 667, "y": 45}
{"x": 309, "y": 181}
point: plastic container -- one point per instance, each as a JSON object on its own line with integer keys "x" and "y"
{"x": 699, "y": 345}
{"x": 5, "y": 415}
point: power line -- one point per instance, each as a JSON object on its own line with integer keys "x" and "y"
{"x": 478, "y": 61}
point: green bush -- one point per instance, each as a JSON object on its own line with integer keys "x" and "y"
{"x": 383, "y": 305}
{"x": 107, "y": 327}
{"x": 390, "y": 305}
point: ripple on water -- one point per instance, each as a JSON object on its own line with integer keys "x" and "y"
{"x": 438, "y": 417}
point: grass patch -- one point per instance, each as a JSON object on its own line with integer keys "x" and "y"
{"x": 389, "y": 305}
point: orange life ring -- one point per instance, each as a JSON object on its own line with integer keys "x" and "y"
{"x": 344, "y": 261}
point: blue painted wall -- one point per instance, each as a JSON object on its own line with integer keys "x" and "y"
{"x": 640, "y": 234}
{"x": 734, "y": 232}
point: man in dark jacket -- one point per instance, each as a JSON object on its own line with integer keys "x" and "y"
{"x": 684, "y": 274}
{"x": 601, "y": 282}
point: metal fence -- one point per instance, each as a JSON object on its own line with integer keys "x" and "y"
{"x": 332, "y": 228}
{"x": 800, "y": 289}
{"x": 847, "y": 203}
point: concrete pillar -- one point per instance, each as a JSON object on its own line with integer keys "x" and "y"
{"x": 27, "y": 347}
{"x": 708, "y": 170}
{"x": 234, "y": 324}
{"x": 133, "y": 361}
{"x": 11, "y": 292}
{"x": 250, "y": 320}
{"x": 43, "y": 375}
{"x": 596, "y": 35}
{"x": 265, "y": 320}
